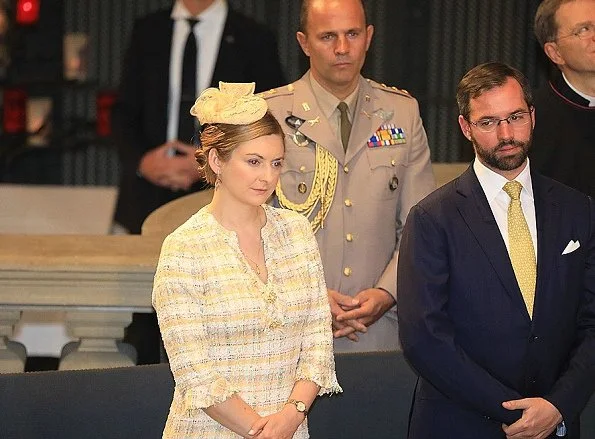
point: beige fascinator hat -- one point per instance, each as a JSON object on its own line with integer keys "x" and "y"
{"x": 232, "y": 103}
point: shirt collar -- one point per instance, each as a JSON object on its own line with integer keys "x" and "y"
{"x": 328, "y": 102}
{"x": 591, "y": 99}
{"x": 492, "y": 182}
{"x": 217, "y": 10}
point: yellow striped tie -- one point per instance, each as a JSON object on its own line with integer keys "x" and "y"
{"x": 520, "y": 245}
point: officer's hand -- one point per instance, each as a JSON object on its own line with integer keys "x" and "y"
{"x": 374, "y": 302}
{"x": 340, "y": 303}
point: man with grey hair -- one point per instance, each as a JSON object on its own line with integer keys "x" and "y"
{"x": 565, "y": 107}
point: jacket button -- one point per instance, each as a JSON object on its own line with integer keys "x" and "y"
{"x": 349, "y": 237}
{"x": 348, "y": 202}
{"x": 347, "y": 271}
{"x": 346, "y": 169}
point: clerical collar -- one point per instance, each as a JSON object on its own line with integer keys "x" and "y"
{"x": 591, "y": 99}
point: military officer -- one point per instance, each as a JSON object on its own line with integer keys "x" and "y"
{"x": 356, "y": 161}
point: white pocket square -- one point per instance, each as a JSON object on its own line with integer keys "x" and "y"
{"x": 571, "y": 246}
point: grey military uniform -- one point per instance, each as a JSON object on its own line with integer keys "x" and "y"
{"x": 376, "y": 185}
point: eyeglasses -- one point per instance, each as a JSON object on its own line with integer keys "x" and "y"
{"x": 583, "y": 33}
{"x": 515, "y": 120}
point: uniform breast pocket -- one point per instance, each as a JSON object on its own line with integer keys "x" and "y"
{"x": 387, "y": 167}
{"x": 297, "y": 175}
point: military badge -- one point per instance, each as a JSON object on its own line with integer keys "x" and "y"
{"x": 386, "y": 135}
{"x": 300, "y": 139}
{"x": 295, "y": 123}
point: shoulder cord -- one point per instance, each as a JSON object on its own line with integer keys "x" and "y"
{"x": 323, "y": 190}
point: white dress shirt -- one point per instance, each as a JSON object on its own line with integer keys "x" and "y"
{"x": 208, "y": 33}
{"x": 492, "y": 184}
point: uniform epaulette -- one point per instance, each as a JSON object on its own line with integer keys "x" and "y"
{"x": 389, "y": 89}
{"x": 279, "y": 91}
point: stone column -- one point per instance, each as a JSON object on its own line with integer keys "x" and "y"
{"x": 99, "y": 346}
{"x": 12, "y": 354}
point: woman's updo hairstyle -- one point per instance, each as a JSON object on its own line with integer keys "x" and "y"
{"x": 228, "y": 116}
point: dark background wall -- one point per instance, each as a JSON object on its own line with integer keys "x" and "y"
{"x": 424, "y": 46}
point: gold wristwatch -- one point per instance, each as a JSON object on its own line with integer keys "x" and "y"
{"x": 299, "y": 405}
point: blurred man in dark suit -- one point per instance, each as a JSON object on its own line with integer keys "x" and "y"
{"x": 173, "y": 55}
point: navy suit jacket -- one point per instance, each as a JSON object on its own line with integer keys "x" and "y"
{"x": 463, "y": 322}
{"x": 248, "y": 52}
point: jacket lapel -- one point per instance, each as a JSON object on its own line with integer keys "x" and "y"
{"x": 161, "y": 47}
{"x": 547, "y": 214}
{"x": 316, "y": 126}
{"x": 368, "y": 116}
{"x": 226, "y": 65}
{"x": 477, "y": 214}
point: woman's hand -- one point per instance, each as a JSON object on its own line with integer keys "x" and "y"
{"x": 280, "y": 425}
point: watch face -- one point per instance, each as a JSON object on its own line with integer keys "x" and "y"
{"x": 300, "y": 406}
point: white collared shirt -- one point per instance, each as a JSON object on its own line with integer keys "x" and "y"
{"x": 208, "y": 33}
{"x": 492, "y": 184}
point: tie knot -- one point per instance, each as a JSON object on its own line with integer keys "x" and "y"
{"x": 343, "y": 108}
{"x": 513, "y": 189}
{"x": 192, "y": 22}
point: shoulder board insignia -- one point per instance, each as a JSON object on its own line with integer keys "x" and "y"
{"x": 389, "y": 89}
{"x": 279, "y": 91}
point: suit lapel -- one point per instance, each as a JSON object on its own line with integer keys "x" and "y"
{"x": 161, "y": 46}
{"x": 368, "y": 116}
{"x": 316, "y": 126}
{"x": 547, "y": 214}
{"x": 477, "y": 214}
{"x": 227, "y": 62}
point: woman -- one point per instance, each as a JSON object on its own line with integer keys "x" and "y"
{"x": 239, "y": 289}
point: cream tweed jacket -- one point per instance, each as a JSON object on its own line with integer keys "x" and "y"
{"x": 226, "y": 332}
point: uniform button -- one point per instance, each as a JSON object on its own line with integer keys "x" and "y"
{"x": 347, "y": 271}
{"x": 349, "y": 237}
{"x": 393, "y": 162}
{"x": 302, "y": 168}
{"x": 346, "y": 169}
{"x": 348, "y": 202}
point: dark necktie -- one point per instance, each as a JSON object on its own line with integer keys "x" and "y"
{"x": 345, "y": 124}
{"x": 188, "y": 89}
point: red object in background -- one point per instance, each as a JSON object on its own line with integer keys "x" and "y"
{"x": 105, "y": 101}
{"x": 15, "y": 111}
{"x": 27, "y": 11}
